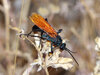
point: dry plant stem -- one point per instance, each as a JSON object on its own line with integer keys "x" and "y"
{"x": 75, "y": 33}
{"x": 2, "y": 8}
{"x": 25, "y": 9}
{"x": 17, "y": 39}
{"x": 38, "y": 49}
{"x": 20, "y": 19}
{"x": 6, "y": 9}
{"x": 78, "y": 36}
{"x": 46, "y": 70}
{"x": 13, "y": 53}
{"x": 40, "y": 55}
{"x": 45, "y": 67}
{"x": 91, "y": 14}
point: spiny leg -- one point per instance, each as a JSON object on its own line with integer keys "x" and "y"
{"x": 26, "y": 34}
{"x": 32, "y": 35}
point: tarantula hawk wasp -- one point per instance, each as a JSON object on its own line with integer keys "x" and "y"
{"x": 48, "y": 33}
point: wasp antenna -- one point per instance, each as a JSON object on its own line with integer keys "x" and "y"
{"x": 71, "y": 51}
{"x": 46, "y": 19}
{"x": 72, "y": 56}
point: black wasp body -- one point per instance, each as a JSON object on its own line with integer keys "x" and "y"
{"x": 57, "y": 41}
{"x": 54, "y": 41}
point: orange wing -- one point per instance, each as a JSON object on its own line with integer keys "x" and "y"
{"x": 43, "y": 24}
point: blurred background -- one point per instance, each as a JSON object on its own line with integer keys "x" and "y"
{"x": 79, "y": 19}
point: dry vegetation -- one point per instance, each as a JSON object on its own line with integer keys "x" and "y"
{"x": 80, "y": 21}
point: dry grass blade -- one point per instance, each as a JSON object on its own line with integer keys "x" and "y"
{"x": 7, "y": 22}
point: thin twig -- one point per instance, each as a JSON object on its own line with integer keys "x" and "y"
{"x": 40, "y": 55}
{"x": 6, "y": 9}
{"x": 46, "y": 70}
{"x": 45, "y": 67}
{"x": 2, "y": 8}
{"x": 90, "y": 13}
{"x": 17, "y": 39}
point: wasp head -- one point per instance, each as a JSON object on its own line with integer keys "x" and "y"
{"x": 63, "y": 46}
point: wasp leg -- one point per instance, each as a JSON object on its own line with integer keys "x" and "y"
{"x": 41, "y": 40}
{"x": 29, "y": 33}
{"x": 35, "y": 36}
{"x": 51, "y": 51}
{"x": 59, "y": 31}
{"x": 26, "y": 34}
{"x": 51, "y": 48}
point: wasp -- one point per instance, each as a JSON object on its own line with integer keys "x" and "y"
{"x": 48, "y": 33}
